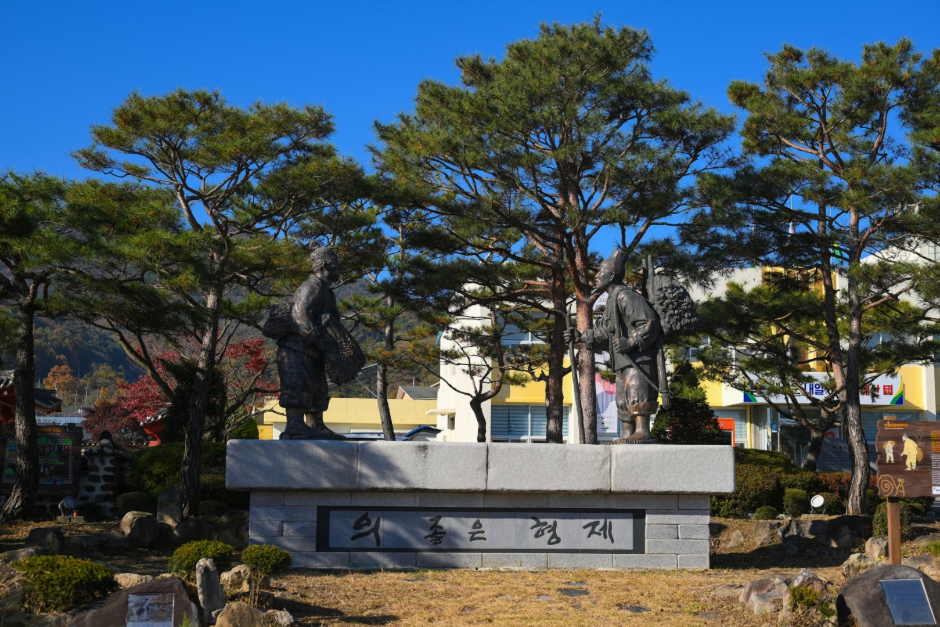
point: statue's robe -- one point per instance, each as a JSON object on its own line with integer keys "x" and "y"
{"x": 629, "y": 317}
{"x": 299, "y": 359}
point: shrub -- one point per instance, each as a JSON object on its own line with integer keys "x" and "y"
{"x": 872, "y": 500}
{"x": 933, "y": 547}
{"x": 247, "y": 431}
{"x": 133, "y": 502}
{"x": 264, "y": 560}
{"x": 183, "y": 562}
{"x": 920, "y": 505}
{"x": 880, "y": 522}
{"x": 802, "y": 600}
{"x": 766, "y": 512}
{"x": 212, "y": 509}
{"x": 795, "y": 502}
{"x": 834, "y": 503}
{"x": 835, "y": 482}
{"x": 156, "y": 468}
{"x": 57, "y": 583}
{"x": 755, "y": 487}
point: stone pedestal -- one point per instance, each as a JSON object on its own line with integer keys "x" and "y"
{"x": 468, "y": 505}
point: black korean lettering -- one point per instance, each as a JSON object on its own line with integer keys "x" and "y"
{"x": 363, "y": 522}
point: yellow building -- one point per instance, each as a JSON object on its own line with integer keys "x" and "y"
{"x": 356, "y": 416}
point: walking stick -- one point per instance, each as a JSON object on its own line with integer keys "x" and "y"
{"x": 574, "y": 379}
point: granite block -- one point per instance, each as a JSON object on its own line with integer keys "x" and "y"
{"x": 449, "y": 560}
{"x": 273, "y": 528}
{"x": 580, "y": 560}
{"x": 511, "y": 500}
{"x": 693, "y": 561}
{"x": 315, "y": 499}
{"x": 672, "y": 468}
{"x": 543, "y": 468}
{"x": 450, "y": 499}
{"x": 304, "y": 544}
{"x": 677, "y": 547}
{"x": 643, "y": 501}
{"x": 267, "y": 497}
{"x": 515, "y": 560}
{"x": 695, "y": 501}
{"x": 422, "y": 466}
{"x": 382, "y": 560}
{"x": 300, "y": 529}
{"x": 284, "y": 513}
{"x": 662, "y": 532}
{"x": 693, "y": 532}
{"x": 291, "y": 465}
{"x": 592, "y": 500}
{"x": 640, "y": 560}
{"x": 677, "y": 517}
{"x": 302, "y": 559}
{"x": 384, "y": 499}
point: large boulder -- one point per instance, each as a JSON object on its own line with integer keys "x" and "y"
{"x": 803, "y": 612}
{"x": 211, "y": 595}
{"x": 115, "y": 540}
{"x": 114, "y": 611}
{"x": 170, "y": 507}
{"x": 235, "y": 516}
{"x": 193, "y": 529}
{"x": 856, "y": 565}
{"x": 765, "y": 531}
{"x": 758, "y": 595}
{"x": 732, "y": 540}
{"x": 236, "y": 579}
{"x": 49, "y": 539}
{"x": 236, "y": 535}
{"x": 848, "y": 531}
{"x": 20, "y": 554}
{"x": 863, "y": 599}
{"x": 876, "y": 548}
{"x": 238, "y": 614}
{"x": 129, "y": 580}
{"x": 140, "y": 528}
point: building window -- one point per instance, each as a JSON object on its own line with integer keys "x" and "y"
{"x": 525, "y": 423}
{"x": 740, "y": 423}
{"x": 933, "y": 251}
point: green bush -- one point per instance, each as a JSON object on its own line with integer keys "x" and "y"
{"x": 183, "y": 562}
{"x": 767, "y": 512}
{"x": 156, "y": 468}
{"x": 247, "y": 431}
{"x": 755, "y": 487}
{"x": 880, "y": 522}
{"x": 920, "y": 505}
{"x": 833, "y": 503}
{"x": 212, "y": 509}
{"x": 802, "y": 600}
{"x": 133, "y": 502}
{"x": 795, "y": 502}
{"x": 872, "y": 500}
{"x": 57, "y": 583}
{"x": 933, "y": 547}
{"x": 264, "y": 560}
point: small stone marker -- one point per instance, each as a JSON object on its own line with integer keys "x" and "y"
{"x": 150, "y": 610}
{"x": 907, "y": 602}
{"x": 170, "y": 507}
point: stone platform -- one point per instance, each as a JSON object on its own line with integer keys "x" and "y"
{"x": 469, "y": 505}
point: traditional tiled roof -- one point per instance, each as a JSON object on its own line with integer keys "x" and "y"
{"x": 46, "y": 400}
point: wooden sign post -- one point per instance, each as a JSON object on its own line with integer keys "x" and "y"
{"x": 905, "y": 468}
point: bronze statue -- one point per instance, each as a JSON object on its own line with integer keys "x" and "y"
{"x": 311, "y": 345}
{"x": 631, "y": 332}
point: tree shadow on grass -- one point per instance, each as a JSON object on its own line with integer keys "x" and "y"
{"x": 808, "y": 555}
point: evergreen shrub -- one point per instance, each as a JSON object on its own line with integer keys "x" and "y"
{"x": 184, "y": 559}
{"x": 156, "y": 468}
{"x": 57, "y": 583}
{"x": 766, "y": 512}
{"x": 880, "y": 522}
{"x": 133, "y": 502}
{"x": 835, "y": 505}
{"x": 795, "y": 502}
{"x": 264, "y": 560}
{"x": 247, "y": 431}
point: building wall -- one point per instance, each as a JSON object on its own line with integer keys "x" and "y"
{"x": 347, "y": 415}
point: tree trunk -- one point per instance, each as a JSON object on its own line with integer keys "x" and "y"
{"x": 381, "y": 385}
{"x": 476, "y": 404}
{"x": 586, "y": 373}
{"x": 195, "y": 424}
{"x": 23, "y": 497}
{"x": 815, "y": 446}
{"x": 855, "y": 503}
{"x": 554, "y": 386}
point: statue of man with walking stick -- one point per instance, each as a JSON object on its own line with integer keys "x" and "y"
{"x": 631, "y": 332}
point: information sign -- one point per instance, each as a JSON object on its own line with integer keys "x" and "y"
{"x": 907, "y": 601}
{"x": 150, "y": 610}
{"x": 59, "y": 455}
{"x": 908, "y": 458}
{"x": 480, "y": 530}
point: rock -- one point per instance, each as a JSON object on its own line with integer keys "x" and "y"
{"x": 20, "y": 554}
{"x": 114, "y": 609}
{"x": 856, "y": 565}
{"x": 88, "y": 541}
{"x": 193, "y": 529}
{"x": 876, "y": 548}
{"x": 919, "y": 561}
{"x": 278, "y": 617}
{"x": 49, "y": 539}
{"x": 211, "y": 595}
{"x": 729, "y": 590}
{"x": 765, "y": 531}
{"x": 170, "y": 507}
{"x": 238, "y": 614}
{"x": 236, "y": 535}
{"x": 925, "y": 540}
{"x": 786, "y": 549}
{"x": 733, "y": 540}
{"x": 806, "y": 579}
{"x": 236, "y": 579}
{"x": 803, "y": 615}
{"x": 115, "y": 540}
{"x": 759, "y": 594}
{"x": 931, "y": 571}
{"x": 234, "y": 517}
{"x": 848, "y": 531}
{"x": 129, "y": 580}
{"x": 862, "y": 598}
{"x": 140, "y": 528}
{"x": 804, "y": 529}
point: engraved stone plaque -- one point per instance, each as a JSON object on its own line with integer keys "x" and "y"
{"x": 480, "y": 530}
{"x": 150, "y": 610}
{"x": 907, "y": 601}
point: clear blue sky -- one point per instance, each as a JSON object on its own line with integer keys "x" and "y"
{"x": 67, "y": 64}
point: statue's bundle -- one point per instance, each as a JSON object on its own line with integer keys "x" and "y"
{"x": 341, "y": 353}
{"x": 280, "y": 321}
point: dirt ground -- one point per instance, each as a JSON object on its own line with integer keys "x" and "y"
{"x": 517, "y": 597}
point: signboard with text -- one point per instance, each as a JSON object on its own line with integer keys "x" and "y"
{"x": 908, "y": 458}
{"x": 480, "y": 530}
{"x": 886, "y": 390}
{"x": 59, "y": 453}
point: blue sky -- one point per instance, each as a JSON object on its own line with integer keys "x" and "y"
{"x": 67, "y": 64}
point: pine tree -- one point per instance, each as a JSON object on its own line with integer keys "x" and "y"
{"x": 689, "y": 420}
